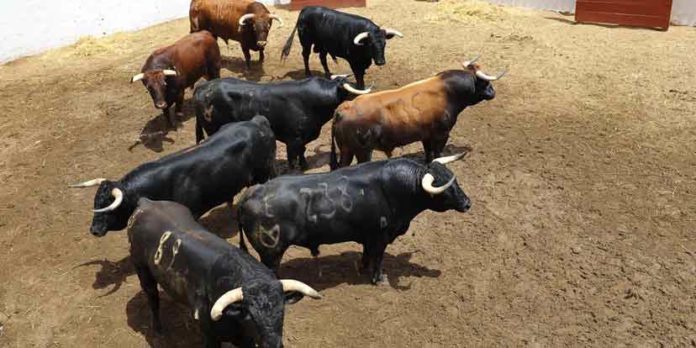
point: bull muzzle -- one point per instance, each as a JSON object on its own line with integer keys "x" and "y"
{"x": 261, "y": 44}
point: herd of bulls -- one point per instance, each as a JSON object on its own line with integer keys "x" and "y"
{"x": 232, "y": 295}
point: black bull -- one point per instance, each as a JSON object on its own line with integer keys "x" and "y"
{"x": 233, "y": 296}
{"x": 200, "y": 177}
{"x": 353, "y": 38}
{"x": 296, "y": 110}
{"x": 371, "y": 204}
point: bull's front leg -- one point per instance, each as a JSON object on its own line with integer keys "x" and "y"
{"x": 306, "y": 51}
{"x": 247, "y": 56}
{"x": 178, "y": 111}
{"x": 262, "y": 56}
{"x": 359, "y": 76}
{"x": 149, "y": 286}
{"x": 325, "y": 64}
{"x": 373, "y": 257}
{"x": 427, "y": 150}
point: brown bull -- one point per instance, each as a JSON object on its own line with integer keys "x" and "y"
{"x": 422, "y": 111}
{"x": 170, "y": 70}
{"x": 245, "y": 21}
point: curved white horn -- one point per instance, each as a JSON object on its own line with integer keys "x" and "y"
{"x": 353, "y": 90}
{"x": 230, "y": 297}
{"x": 345, "y": 76}
{"x": 360, "y": 37}
{"x": 280, "y": 21}
{"x": 427, "y": 184}
{"x": 243, "y": 18}
{"x": 169, "y": 72}
{"x": 449, "y": 159}
{"x": 467, "y": 63}
{"x": 137, "y": 77}
{"x": 393, "y": 32}
{"x": 295, "y": 285}
{"x": 88, "y": 183}
{"x": 482, "y": 75}
{"x": 118, "y": 198}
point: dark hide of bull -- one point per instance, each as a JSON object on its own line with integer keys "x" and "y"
{"x": 424, "y": 111}
{"x": 196, "y": 267}
{"x": 332, "y": 32}
{"x": 200, "y": 177}
{"x": 296, "y": 109}
{"x": 371, "y": 204}
{"x": 192, "y": 57}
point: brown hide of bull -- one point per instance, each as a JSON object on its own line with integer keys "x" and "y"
{"x": 389, "y": 119}
{"x": 221, "y": 17}
{"x": 192, "y": 57}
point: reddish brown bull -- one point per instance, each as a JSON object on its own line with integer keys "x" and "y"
{"x": 245, "y": 21}
{"x": 423, "y": 111}
{"x": 170, "y": 70}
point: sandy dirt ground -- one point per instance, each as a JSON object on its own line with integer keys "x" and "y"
{"x": 582, "y": 177}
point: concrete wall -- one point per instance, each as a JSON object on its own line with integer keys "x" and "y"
{"x": 683, "y": 11}
{"x": 32, "y": 26}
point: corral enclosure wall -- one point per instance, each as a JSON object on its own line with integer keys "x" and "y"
{"x": 683, "y": 11}
{"x": 31, "y": 26}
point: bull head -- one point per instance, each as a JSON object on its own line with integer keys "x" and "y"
{"x": 428, "y": 179}
{"x": 449, "y": 195}
{"x": 377, "y": 41}
{"x": 350, "y": 88}
{"x": 471, "y": 65}
{"x": 107, "y": 201}
{"x": 261, "y": 24}
{"x": 156, "y": 83}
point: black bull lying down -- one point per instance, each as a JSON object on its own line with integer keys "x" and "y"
{"x": 371, "y": 203}
{"x": 200, "y": 177}
{"x": 233, "y": 296}
{"x": 296, "y": 109}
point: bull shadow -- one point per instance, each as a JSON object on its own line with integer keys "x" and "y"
{"x": 300, "y": 74}
{"x": 179, "y": 327}
{"x": 222, "y": 221}
{"x": 448, "y": 151}
{"x": 317, "y": 160}
{"x": 111, "y": 274}
{"x": 344, "y": 268}
{"x": 155, "y": 132}
{"x": 237, "y": 65}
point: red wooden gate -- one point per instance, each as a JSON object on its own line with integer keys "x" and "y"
{"x": 640, "y": 13}
{"x": 300, "y": 4}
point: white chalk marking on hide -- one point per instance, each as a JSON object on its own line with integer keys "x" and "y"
{"x": 158, "y": 253}
{"x": 273, "y": 234}
{"x": 362, "y": 192}
{"x": 195, "y": 314}
{"x": 383, "y": 221}
{"x": 267, "y": 206}
{"x": 175, "y": 250}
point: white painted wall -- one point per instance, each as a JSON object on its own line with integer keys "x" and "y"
{"x": 32, "y": 26}
{"x": 683, "y": 11}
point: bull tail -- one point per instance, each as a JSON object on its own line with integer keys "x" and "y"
{"x": 334, "y": 156}
{"x": 288, "y": 44}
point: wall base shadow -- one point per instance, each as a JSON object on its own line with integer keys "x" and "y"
{"x": 344, "y": 268}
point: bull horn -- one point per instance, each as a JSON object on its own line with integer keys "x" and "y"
{"x": 449, "y": 159}
{"x": 393, "y": 32}
{"x": 88, "y": 183}
{"x": 483, "y": 76}
{"x": 118, "y": 198}
{"x": 137, "y": 77}
{"x": 245, "y": 17}
{"x": 230, "y": 297}
{"x": 344, "y": 76}
{"x": 427, "y": 184}
{"x": 169, "y": 72}
{"x": 360, "y": 37}
{"x": 468, "y": 63}
{"x": 353, "y": 90}
{"x": 295, "y": 285}
{"x": 280, "y": 20}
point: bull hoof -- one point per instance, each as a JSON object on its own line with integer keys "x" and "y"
{"x": 380, "y": 280}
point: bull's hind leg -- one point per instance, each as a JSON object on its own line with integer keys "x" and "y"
{"x": 346, "y": 157}
{"x": 296, "y": 150}
{"x": 325, "y": 64}
{"x": 438, "y": 145}
{"x": 364, "y": 156}
{"x": 149, "y": 286}
{"x": 306, "y": 51}
{"x": 428, "y": 150}
{"x": 247, "y": 57}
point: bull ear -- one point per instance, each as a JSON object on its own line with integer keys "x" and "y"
{"x": 292, "y": 297}
{"x": 235, "y": 310}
